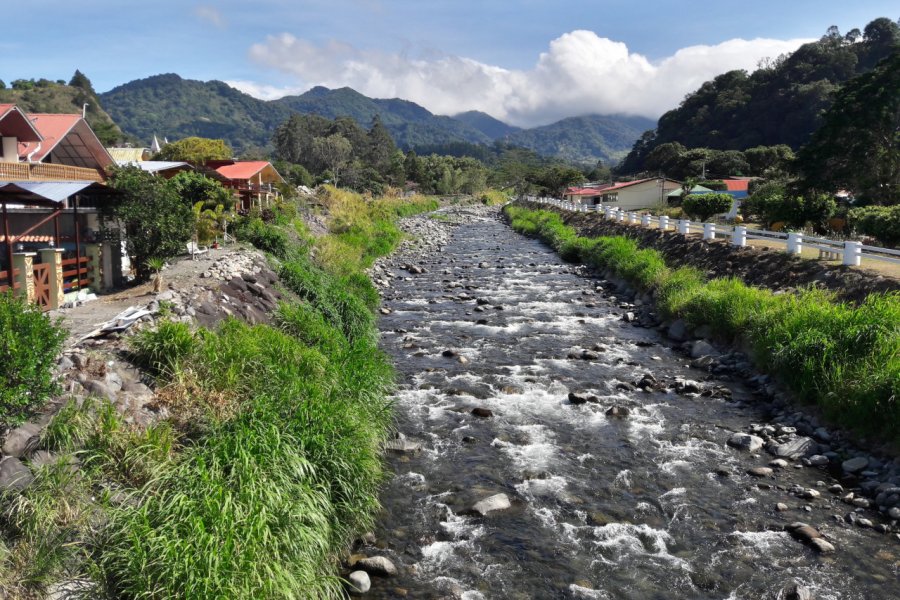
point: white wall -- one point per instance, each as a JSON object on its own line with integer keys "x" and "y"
{"x": 10, "y": 149}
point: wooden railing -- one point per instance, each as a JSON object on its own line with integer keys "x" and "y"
{"x": 47, "y": 172}
{"x": 70, "y": 269}
{"x": 4, "y": 280}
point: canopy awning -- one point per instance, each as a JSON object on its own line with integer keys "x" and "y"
{"x": 697, "y": 189}
{"x": 45, "y": 193}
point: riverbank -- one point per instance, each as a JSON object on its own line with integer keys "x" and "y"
{"x": 229, "y": 443}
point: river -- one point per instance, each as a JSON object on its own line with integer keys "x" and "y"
{"x": 652, "y": 505}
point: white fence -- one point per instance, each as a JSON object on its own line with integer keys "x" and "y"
{"x": 849, "y": 252}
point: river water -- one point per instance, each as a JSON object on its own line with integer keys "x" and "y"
{"x": 602, "y": 507}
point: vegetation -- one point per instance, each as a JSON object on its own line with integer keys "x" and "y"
{"x": 705, "y": 206}
{"x": 840, "y": 356}
{"x": 880, "y": 222}
{"x": 44, "y": 96}
{"x": 780, "y": 103}
{"x": 29, "y": 344}
{"x": 157, "y": 221}
{"x": 858, "y": 146}
{"x": 774, "y": 202}
{"x": 195, "y": 150}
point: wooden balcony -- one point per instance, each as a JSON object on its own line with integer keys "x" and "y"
{"x": 47, "y": 172}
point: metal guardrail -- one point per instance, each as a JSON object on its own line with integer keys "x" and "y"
{"x": 849, "y": 252}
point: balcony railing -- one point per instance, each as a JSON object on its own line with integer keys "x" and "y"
{"x": 47, "y": 172}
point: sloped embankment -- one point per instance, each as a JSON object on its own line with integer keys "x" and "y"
{"x": 753, "y": 265}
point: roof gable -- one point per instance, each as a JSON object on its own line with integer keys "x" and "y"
{"x": 15, "y": 123}
{"x": 69, "y": 138}
{"x": 247, "y": 169}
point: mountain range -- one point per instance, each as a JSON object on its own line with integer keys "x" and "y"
{"x": 173, "y": 107}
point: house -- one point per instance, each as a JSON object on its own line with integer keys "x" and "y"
{"x": 635, "y": 195}
{"x": 697, "y": 189}
{"x": 588, "y": 194}
{"x": 163, "y": 168}
{"x": 254, "y": 181}
{"x": 52, "y": 174}
{"x": 738, "y": 188}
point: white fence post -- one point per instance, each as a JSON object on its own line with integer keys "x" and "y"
{"x": 664, "y": 222}
{"x": 684, "y": 226}
{"x": 709, "y": 231}
{"x": 622, "y": 215}
{"x": 739, "y": 237}
{"x": 645, "y": 220}
{"x": 632, "y": 218}
{"x": 795, "y": 243}
{"x": 852, "y": 253}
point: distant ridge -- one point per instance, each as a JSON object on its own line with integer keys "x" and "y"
{"x": 168, "y": 105}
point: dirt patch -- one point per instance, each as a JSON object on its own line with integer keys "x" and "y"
{"x": 758, "y": 266}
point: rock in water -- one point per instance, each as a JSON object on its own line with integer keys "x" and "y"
{"x": 745, "y": 441}
{"x": 855, "y": 465}
{"x": 484, "y": 413}
{"x": 377, "y": 565}
{"x": 795, "y": 591}
{"x": 617, "y": 411}
{"x": 581, "y": 397}
{"x": 359, "y": 582}
{"x": 491, "y": 504}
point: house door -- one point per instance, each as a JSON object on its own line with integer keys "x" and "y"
{"x": 42, "y": 285}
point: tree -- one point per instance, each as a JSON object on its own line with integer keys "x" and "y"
{"x": 195, "y": 150}
{"x": 2, "y": 85}
{"x": 858, "y": 146}
{"x": 770, "y": 161}
{"x": 705, "y": 206}
{"x": 380, "y": 146}
{"x": 557, "y": 178}
{"x": 156, "y": 220}
{"x": 334, "y": 151}
{"x": 411, "y": 166}
{"x": 193, "y": 187}
{"x": 80, "y": 80}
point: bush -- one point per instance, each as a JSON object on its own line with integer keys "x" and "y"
{"x": 160, "y": 349}
{"x": 771, "y": 203}
{"x": 29, "y": 344}
{"x": 265, "y": 237}
{"x": 880, "y": 222}
{"x": 705, "y": 206}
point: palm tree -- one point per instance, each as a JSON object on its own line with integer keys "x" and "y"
{"x": 156, "y": 265}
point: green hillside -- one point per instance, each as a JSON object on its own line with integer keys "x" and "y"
{"x": 44, "y": 96}
{"x": 584, "y": 139}
{"x": 780, "y": 103}
{"x": 486, "y": 124}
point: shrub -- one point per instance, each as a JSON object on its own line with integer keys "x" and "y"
{"x": 771, "y": 203}
{"x": 29, "y": 344}
{"x": 160, "y": 349}
{"x": 262, "y": 235}
{"x": 705, "y": 206}
{"x": 880, "y": 222}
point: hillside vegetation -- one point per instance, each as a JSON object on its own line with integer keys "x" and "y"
{"x": 167, "y": 105}
{"x": 44, "y": 96}
{"x": 780, "y": 103}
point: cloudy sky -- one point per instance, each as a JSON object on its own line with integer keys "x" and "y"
{"x": 528, "y": 62}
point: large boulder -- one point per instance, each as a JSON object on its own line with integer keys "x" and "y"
{"x": 794, "y": 449}
{"x": 359, "y": 582}
{"x": 22, "y": 440}
{"x": 14, "y": 475}
{"x": 491, "y": 504}
{"x": 377, "y": 565}
{"x": 745, "y": 441}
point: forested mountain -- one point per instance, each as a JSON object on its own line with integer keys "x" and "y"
{"x": 169, "y": 106}
{"x": 780, "y": 103}
{"x": 486, "y": 124}
{"x": 583, "y": 139}
{"x": 45, "y": 96}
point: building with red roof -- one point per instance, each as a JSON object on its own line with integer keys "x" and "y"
{"x": 627, "y": 195}
{"x": 254, "y": 181}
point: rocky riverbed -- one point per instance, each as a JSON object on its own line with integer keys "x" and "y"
{"x": 555, "y": 440}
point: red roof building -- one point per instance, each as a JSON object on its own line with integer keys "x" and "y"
{"x": 254, "y": 181}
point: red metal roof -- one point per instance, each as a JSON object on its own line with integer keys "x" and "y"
{"x": 53, "y": 128}
{"x": 737, "y": 185}
{"x": 242, "y": 169}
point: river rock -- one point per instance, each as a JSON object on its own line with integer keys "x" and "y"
{"x": 22, "y": 440}
{"x": 377, "y": 565}
{"x": 702, "y": 348}
{"x": 484, "y": 413}
{"x": 14, "y": 476}
{"x": 818, "y": 460}
{"x": 795, "y": 591}
{"x": 745, "y": 441}
{"x": 491, "y": 504}
{"x": 359, "y": 582}
{"x": 678, "y": 330}
{"x": 402, "y": 445}
{"x": 617, "y": 411}
{"x": 821, "y": 546}
{"x": 794, "y": 449}
{"x": 855, "y": 465}
{"x": 760, "y": 472}
{"x": 581, "y": 397}
{"x": 803, "y": 532}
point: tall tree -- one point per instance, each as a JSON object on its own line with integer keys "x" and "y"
{"x": 858, "y": 146}
{"x": 334, "y": 151}
{"x": 195, "y": 150}
{"x": 80, "y": 80}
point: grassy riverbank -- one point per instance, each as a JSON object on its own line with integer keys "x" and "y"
{"x": 842, "y": 357}
{"x": 269, "y": 462}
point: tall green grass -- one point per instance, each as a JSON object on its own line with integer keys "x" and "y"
{"x": 843, "y": 357}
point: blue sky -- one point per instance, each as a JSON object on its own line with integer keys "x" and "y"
{"x": 448, "y": 55}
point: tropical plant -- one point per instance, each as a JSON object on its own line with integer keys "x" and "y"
{"x": 156, "y": 265}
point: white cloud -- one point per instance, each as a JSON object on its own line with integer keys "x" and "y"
{"x": 211, "y": 15}
{"x": 263, "y": 91}
{"x": 580, "y": 73}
